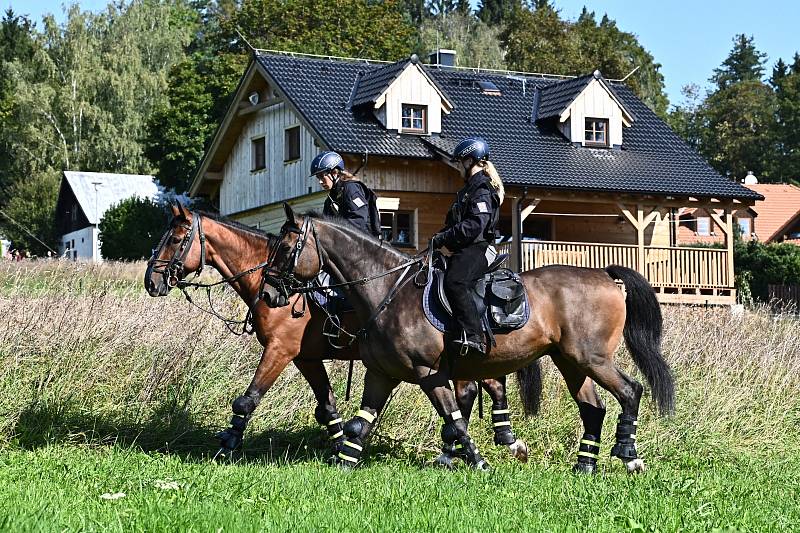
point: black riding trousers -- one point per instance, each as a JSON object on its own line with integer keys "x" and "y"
{"x": 465, "y": 268}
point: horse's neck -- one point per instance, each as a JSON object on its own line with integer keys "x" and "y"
{"x": 347, "y": 262}
{"x": 235, "y": 252}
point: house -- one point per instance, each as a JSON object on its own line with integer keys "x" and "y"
{"x": 592, "y": 175}
{"x": 776, "y": 218}
{"x": 83, "y": 198}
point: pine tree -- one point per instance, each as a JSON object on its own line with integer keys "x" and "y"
{"x": 744, "y": 63}
{"x": 494, "y": 12}
{"x": 785, "y": 82}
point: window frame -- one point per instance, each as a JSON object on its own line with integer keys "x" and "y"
{"x": 287, "y": 155}
{"x": 412, "y": 237}
{"x": 749, "y": 222}
{"x": 253, "y": 153}
{"x": 594, "y": 131}
{"x": 414, "y": 107}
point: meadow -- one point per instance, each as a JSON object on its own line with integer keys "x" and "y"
{"x": 109, "y": 400}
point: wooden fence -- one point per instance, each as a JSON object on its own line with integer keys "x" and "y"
{"x": 784, "y": 296}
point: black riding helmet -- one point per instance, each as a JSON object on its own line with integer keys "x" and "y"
{"x": 471, "y": 147}
{"x": 326, "y": 161}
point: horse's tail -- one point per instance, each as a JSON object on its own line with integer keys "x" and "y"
{"x": 643, "y": 335}
{"x": 529, "y": 379}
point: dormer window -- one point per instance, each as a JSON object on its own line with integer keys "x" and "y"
{"x": 596, "y": 132}
{"x": 414, "y": 119}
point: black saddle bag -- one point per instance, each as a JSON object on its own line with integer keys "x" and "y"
{"x": 505, "y": 298}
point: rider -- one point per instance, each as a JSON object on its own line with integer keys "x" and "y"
{"x": 348, "y": 197}
{"x": 469, "y": 234}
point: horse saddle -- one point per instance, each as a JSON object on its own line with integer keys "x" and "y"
{"x": 500, "y": 298}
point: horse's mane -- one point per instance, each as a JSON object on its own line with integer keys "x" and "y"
{"x": 235, "y": 224}
{"x": 343, "y": 224}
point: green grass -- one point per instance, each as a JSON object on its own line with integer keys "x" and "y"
{"x": 61, "y": 487}
{"x": 104, "y": 390}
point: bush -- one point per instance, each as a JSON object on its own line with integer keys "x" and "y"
{"x": 130, "y": 229}
{"x": 767, "y": 264}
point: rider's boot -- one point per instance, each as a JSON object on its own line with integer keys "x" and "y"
{"x": 470, "y": 345}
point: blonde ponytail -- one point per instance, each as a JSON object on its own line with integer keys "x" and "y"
{"x": 494, "y": 178}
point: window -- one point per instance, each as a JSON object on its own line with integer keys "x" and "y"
{"x": 397, "y": 227}
{"x": 414, "y": 118}
{"x": 258, "y": 154}
{"x": 703, "y": 226}
{"x": 744, "y": 226}
{"x": 596, "y": 131}
{"x": 291, "y": 143}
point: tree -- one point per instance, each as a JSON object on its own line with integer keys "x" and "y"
{"x": 31, "y": 204}
{"x": 744, "y": 63}
{"x": 130, "y": 229}
{"x": 538, "y": 40}
{"x": 785, "y": 82}
{"x": 357, "y": 28}
{"x": 494, "y": 12}
{"x": 476, "y": 44}
{"x": 685, "y": 118}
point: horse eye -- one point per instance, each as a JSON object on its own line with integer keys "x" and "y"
{"x": 176, "y": 240}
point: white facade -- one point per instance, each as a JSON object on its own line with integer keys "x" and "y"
{"x": 81, "y": 245}
{"x": 412, "y": 87}
{"x": 243, "y": 188}
{"x": 595, "y": 101}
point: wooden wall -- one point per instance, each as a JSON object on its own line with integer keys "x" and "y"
{"x": 243, "y": 189}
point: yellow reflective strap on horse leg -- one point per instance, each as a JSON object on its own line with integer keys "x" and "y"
{"x": 366, "y": 415}
{"x": 337, "y": 421}
{"x": 499, "y": 411}
{"x": 337, "y": 435}
{"x": 588, "y": 454}
{"x": 353, "y": 445}
{"x": 590, "y": 442}
{"x": 503, "y": 423}
{"x": 347, "y": 458}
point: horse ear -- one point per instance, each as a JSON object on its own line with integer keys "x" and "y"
{"x": 289, "y": 213}
{"x": 182, "y": 211}
{"x": 176, "y": 212}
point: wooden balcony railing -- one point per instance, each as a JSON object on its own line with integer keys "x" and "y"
{"x": 664, "y": 266}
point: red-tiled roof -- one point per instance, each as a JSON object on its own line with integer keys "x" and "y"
{"x": 780, "y": 207}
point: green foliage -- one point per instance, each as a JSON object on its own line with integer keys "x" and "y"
{"x": 31, "y": 203}
{"x": 540, "y": 40}
{"x": 767, "y": 264}
{"x": 785, "y": 163}
{"x": 130, "y": 229}
{"x": 357, "y": 28}
{"x": 744, "y": 63}
{"x": 476, "y": 44}
{"x": 494, "y": 12}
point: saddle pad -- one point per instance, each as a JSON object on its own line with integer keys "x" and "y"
{"x": 439, "y": 317}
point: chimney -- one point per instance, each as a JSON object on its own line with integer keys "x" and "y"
{"x": 443, "y": 57}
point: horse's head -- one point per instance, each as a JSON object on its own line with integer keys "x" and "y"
{"x": 176, "y": 257}
{"x": 296, "y": 255}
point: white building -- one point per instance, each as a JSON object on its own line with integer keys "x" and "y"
{"x": 83, "y": 199}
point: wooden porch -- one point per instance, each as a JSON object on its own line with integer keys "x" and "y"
{"x": 678, "y": 274}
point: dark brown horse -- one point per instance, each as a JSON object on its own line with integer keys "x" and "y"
{"x": 579, "y": 318}
{"x": 193, "y": 240}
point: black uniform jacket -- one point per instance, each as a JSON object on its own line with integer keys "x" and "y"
{"x": 473, "y": 216}
{"x": 349, "y": 199}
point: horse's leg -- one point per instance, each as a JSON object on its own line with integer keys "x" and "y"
{"x": 268, "y": 370}
{"x": 466, "y": 392}
{"x": 325, "y": 413}
{"x": 501, "y": 420}
{"x": 436, "y": 384}
{"x": 628, "y": 393}
{"x": 377, "y": 388}
{"x": 592, "y": 412}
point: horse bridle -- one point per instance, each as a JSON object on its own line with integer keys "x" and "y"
{"x": 172, "y": 269}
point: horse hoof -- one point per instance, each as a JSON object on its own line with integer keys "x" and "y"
{"x": 482, "y": 466}
{"x": 519, "y": 450}
{"x": 635, "y": 466}
{"x": 444, "y": 461}
{"x": 584, "y": 468}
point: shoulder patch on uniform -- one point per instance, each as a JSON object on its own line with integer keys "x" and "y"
{"x": 358, "y": 201}
{"x": 482, "y": 207}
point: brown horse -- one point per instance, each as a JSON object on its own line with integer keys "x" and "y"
{"x": 579, "y": 318}
{"x": 193, "y": 240}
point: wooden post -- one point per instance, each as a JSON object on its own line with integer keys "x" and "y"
{"x": 640, "y": 238}
{"x": 727, "y": 228}
{"x": 518, "y": 215}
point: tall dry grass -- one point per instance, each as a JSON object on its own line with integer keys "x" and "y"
{"x": 87, "y": 357}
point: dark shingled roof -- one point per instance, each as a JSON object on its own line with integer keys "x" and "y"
{"x": 555, "y": 98}
{"x": 372, "y": 84}
{"x": 653, "y": 159}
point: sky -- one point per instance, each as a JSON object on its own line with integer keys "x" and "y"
{"x": 690, "y": 38}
